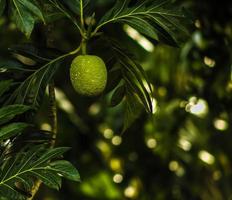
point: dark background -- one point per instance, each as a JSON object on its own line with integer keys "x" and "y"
{"x": 183, "y": 151}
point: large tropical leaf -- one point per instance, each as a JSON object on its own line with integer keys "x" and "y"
{"x": 19, "y": 171}
{"x": 25, "y": 13}
{"x": 66, "y": 12}
{"x": 31, "y": 90}
{"x": 154, "y": 19}
{"x": 133, "y": 75}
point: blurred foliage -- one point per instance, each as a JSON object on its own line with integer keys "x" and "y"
{"x": 183, "y": 150}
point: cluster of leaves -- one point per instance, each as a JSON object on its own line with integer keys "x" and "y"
{"x": 19, "y": 170}
{"x": 157, "y": 20}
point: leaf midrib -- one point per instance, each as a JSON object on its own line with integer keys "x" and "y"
{"x": 28, "y": 170}
{"x": 132, "y": 14}
{"x": 19, "y": 12}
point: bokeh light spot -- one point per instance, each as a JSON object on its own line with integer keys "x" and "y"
{"x": 116, "y": 140}
{"x": 206, "y": 157}
{"x": 118, "y": 178}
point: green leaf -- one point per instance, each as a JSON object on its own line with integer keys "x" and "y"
{"x": 114, "y": 77}
{"x": 25, "y": 14}
{"x": 31, "y": 90}
{"x": 35, "y": 11}
{"x": 9, "y": 112}
{"x": 2, "y": 6}
{"x": 13, "y": 65}
{"x": 133, "y": 110}
{"x": 4, "y": 86}
{"x": 50, "y": 12}
{"x": 59, "y": 6}
{"x": 65, "y": 169}
{"x": 48, "y": 177}
{"x": 142, "y": 26}
{"x": 30, "y": 163}
{"x": 117, "y": 96}
{"x": 30, "y": 51}
{"x": 50, "y": 154}
{"x": 154, "y": 19}
{"x": 12, "y": 130}
{"x": 134, "y": 75}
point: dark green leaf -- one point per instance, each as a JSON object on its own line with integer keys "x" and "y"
{"x": 25, "y": 14}
{"x": 65, "y": 169}
{"x": 149, "y": 17}
{"x": 28, "y": 50}
{"x": 50, "y": 154}
{"x": 134, "y": 75}
{"x": 35, "y": 11}
{"x": 4, "y": 86}
{"x": 9, "y": 112}
{"x": 133, "y": 110}
{"x": 33, "y": 162}
{"x": 51, "y": 13}
{"x": 12, "y": 130}
{"x": 48, "y": 177}
{"x": 117, "y": 96}
{"x": 114, "y": 77}
{"x": 59, "y": 6}
{"x": 31, "y": 91}
{"x": 142, "y": 26}
{"x": 13, "y": 65}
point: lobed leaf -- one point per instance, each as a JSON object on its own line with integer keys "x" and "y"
{"x": 118, "y": 95}
{"x": 31, "y": 90}
{"x": 59, "y": 6}
{"x": 154, "y": 19}
{"x": 134, "y": 76}
{"x": 19, "y": 171}
{"x": 65, "y": 169}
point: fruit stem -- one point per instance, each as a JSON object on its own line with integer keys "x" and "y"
{"x": 84, "y": 46}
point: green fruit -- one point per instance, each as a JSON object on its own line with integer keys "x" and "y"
{"x": 88, "y": 75}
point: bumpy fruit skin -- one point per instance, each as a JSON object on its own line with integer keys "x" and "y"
{"x": 88, "y": 75}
